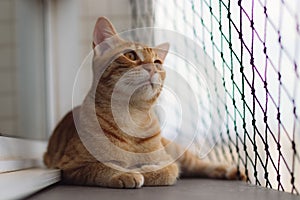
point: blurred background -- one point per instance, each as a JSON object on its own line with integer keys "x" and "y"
{"x": 42, "y": 44}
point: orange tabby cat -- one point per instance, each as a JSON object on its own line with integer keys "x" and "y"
{"x": 67, "y": 152}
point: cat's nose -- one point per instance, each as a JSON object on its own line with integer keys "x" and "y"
{"x": 149, "y": 68}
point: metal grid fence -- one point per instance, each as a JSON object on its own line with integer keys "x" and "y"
{"x": 255, "y": 46}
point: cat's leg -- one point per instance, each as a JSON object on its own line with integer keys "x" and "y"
{"x": 192, "y": 166}
{"x": 98, "y": 174}
{"x": 160, "y": 177}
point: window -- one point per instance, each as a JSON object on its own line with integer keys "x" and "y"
{"x": 42, "y": 45}
{"x": 23, "y": 98}
{"x": 23, "y": 81}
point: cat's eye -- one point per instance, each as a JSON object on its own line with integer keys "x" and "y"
{"x": 131, "y": 55}
{"x": 157, "y": 62}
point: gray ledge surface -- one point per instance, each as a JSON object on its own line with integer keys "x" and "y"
{"x": 186, "y": 189}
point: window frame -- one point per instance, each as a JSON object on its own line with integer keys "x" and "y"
{"x": 21, "y": 167}
{"x": 21, "y": 160}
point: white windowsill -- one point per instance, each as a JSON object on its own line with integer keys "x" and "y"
{"x": 17, "y": 154}
{"x": 19, "y": 184}
{"x": 22, "y": 171}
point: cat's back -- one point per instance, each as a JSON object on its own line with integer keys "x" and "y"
{"x": 61, "y": 137}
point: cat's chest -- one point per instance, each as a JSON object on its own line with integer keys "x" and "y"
{"x": 153, "y": 165}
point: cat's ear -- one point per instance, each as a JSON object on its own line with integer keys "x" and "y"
{"x": 103, "y": 30}
{"x": 162, "y": 50}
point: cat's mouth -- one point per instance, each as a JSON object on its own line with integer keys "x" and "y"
{"x": 155, "y": 85}
{"x": 147, "y": 88}
{"x": 150, "y": 83}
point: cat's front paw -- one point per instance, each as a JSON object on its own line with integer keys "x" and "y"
{"x": 164, "y": 176}
{"x": 127, "y": 180}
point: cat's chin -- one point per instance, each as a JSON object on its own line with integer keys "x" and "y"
{"x": 149, "y": 92}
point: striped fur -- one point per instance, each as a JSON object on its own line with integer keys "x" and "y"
{"x": 67, "y": 152}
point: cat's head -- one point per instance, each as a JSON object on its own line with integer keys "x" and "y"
{"x": 127, "y": 67}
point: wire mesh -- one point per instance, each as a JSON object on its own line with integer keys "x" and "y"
{"x": 255, "y": 46}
